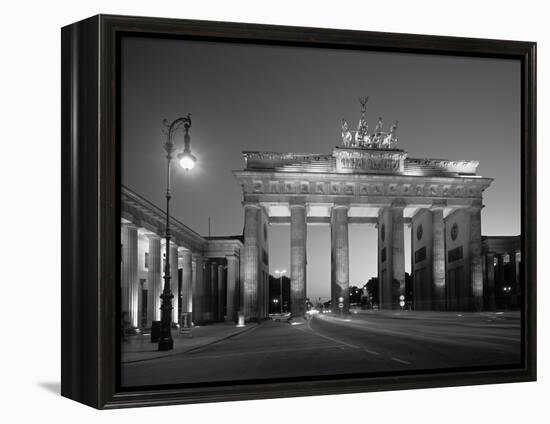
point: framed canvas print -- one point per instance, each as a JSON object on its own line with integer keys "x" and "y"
{"x": 254, "y": 211}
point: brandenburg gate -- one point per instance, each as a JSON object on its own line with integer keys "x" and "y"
{"x": 367, "y": 179}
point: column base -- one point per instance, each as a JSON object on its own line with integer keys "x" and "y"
{"x": 166, "y": 344}
{"x": 439, "y": 305}
{"x": 477, "y": 304}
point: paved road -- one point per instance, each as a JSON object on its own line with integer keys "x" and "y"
{"x": 326, "y": 345}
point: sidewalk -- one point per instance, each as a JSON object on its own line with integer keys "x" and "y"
{"x": 139, "y": 348}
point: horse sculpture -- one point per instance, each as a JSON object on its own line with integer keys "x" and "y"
{"x": 346, "y": 134}
{"x": 362, "y": 138}
{"x": 377, "y": 136}
{"x": 391, "y": 139}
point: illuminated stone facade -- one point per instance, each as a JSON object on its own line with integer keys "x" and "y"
{"x": 205, "y": 271}
{"x": 439, "y": 200}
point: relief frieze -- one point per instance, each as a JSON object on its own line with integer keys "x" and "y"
{"x": 274, "y": 187}
{"x": 257, "y": 187}
{"x": 349, "y": 188}
{"x": 368, "y": 160}
{"x": 320, "y": 188}
{"x": 289, "y": 187}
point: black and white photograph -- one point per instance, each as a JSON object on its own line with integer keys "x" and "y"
{"x": 294, "y": 213}
{"x": 274, "y": 212}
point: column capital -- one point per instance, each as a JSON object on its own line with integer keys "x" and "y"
{"x": 129, "y": 225}
{"x": 254, "y": 205}
{"x": 297, "y": 202}
{"x": 231, "y": 257}
{"x": 340, "y": 206}
{"x": 398, "y": 204}
{"x": 438, "y": 205}
{"x": 148, "y": 233}
{"x": 173, "y": 244}
{"x": 475, "y": 205}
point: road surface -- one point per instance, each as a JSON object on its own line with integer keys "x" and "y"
{"x": 325, "y": 345}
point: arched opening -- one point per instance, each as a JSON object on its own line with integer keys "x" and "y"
{"x": 318, "y": 263}
{"x": 363, "y": 263}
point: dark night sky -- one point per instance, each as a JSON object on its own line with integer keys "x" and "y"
{"x": 246, "y": 97}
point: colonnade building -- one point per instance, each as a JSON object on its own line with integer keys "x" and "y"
{"x": 206, "y": 269}
{"x": 502, "y": 269}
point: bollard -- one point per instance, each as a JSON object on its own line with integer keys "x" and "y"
{"x": 240, "y": 323}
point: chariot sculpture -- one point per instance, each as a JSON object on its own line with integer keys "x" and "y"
{"x": 361, "y": 138}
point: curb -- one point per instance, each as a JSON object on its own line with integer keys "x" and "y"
{"x": 236, "y": 333}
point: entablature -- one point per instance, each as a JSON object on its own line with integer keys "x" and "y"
{"x": 145, "y": 215}
{"x": 317, "y": 186}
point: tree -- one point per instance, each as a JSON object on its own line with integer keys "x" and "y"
{"x": 355, "y": 294}
{"x": 408, "y": 287}
{"x": 372, "y": 290}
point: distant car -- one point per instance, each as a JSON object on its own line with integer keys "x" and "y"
{"x": 284, "y": 316}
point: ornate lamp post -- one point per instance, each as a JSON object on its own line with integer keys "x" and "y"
{"x": 187, "y": 162}
{"x": 280, "y": 275}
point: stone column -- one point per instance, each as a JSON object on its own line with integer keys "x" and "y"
{"x": 197, "y": 288}
{"x": 398, "y": 253}
{"x": 240, "y": 283}
{"x": 339, "y": 257}
{"x": 129, "y": 275}
{"x": 515, "y": 293}
{"x": 476, "y": 271}
{"x": 186, "y": 281}
{"x": 174, "y": 281}
{"x": 384, "y": 259}
{"x": 250, "y": 258}
{"x": 221, "y": 292}
{"x": 499, "y": 282}
{"x": 213, "y": 291}
{"x": 517, "y": 262}
{"x": 298, "y": 259}
{"x": 154, "y": 280}
{"x": 438, "y": 259}
{"x": 260, "y": 294}
{"x": 490, "y": 273}
{"x": 231, "y": 301}
{"x": 206, "y": 291}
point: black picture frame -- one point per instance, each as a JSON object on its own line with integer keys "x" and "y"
{"x": 90, "y": 205}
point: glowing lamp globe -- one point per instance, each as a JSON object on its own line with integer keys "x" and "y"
{"x": 187, "y": 161}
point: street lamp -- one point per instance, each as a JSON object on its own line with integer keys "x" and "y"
{"x": 280, "y": 274}
{"x": 187, "y": 162}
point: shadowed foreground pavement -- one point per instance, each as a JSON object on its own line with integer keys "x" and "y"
{"x": 325, "y": 345}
